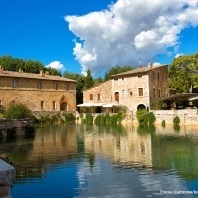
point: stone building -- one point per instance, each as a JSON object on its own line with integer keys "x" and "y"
{"x": 135, "y": 89}
{"x": 39, "y": 92}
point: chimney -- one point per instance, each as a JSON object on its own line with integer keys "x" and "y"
{"x": 20, "y": 71}
{"x": 41, "y": 73}
{"x": 1, "y": 69}
{"x": 140, "y": 63}
{"x": 149, "y": 65}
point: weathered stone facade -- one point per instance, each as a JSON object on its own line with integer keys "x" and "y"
{"x": 133, "y": 89}
{"x": 39, "y": 92}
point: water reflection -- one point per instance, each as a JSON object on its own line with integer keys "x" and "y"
{"x": 91, "y": 157}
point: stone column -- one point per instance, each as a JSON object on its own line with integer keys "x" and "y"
{"x": 7, "y": 177}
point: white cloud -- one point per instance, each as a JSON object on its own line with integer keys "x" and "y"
{"x": 179, "y": 54}
{"x": 56, "y": 65}
{"x": 129, "y": 30}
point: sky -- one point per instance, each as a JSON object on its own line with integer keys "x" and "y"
{"x": 76, "y": 35}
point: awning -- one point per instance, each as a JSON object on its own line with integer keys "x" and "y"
{"x": 99, "y": 104}
{"x": 194, "y": 98}
{"x": 111, "y": 104}
{"x": 85, "y": 105}
{"x": 181, "y": 97}
{"x": 90, "y": 105}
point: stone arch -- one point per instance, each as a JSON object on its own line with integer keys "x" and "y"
{"x": 141, "y": 106}
{"x": 63, "y": 104}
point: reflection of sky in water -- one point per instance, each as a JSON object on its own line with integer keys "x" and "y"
{"x": 105, "y": 164}
{"x": 58, "y": 182}
{"x": 108, "y": 181}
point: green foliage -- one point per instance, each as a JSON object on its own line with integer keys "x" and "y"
{"x": 151, "y": 118}
{"x": 29, "y": 66}
{"x": 176, "y": 128}
{"x": 157, "y": 104}
{"x": 145, "y": 118}
{"x": 116, "y": 70}
{"x": 69, "y": 118}
{"x": 141, "y": 116}
{"x": 145, "y": 129}
{"x": 163, "y": 123}
{"x": 106, "y": 119}
{"x": 89, "y": 118}
{"x": 183, "y": 73}
{"x": 79, "y": 85}
{"x": 17, "y": 111}
{"x": 88, "y": 80}
{"x": 176, "y": 121}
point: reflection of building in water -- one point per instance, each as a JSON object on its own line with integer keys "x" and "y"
{"x": 130, "y": 148}
{"x": 50, "y": 146}
{"x": 176, "y": 150}
{"x": 183, "y": 130}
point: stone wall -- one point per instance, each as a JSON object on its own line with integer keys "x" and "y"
{"x": 28, "y": 92}
{"x": 100, "y": 93}
{"x": 151, "y": 80}
{"x": 187, "y": 116}
{"x": 18, "y": 124}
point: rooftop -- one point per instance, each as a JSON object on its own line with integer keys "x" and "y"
{"x": 138, "y": 70}
{"x": 42, "y": 75}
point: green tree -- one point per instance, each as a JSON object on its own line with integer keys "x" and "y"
{"x": 17, "y": 111}
{"x": 88, "y": 80}
{"x": 116, "y": 70}
{"x": 98, "y": 81}
{"x": 183, "y": 73}
{"x": 79, "y": 85}
{"x": 29, "y": 66}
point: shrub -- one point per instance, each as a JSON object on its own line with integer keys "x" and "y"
{"x": 157, "y": 104}
{"x": 176, "y": 120}
{"x": 163, "y": 123}
{"x": 142, "y": 116}
{"x": 69, "y": 118}
{"x": 89, "y": 118}
{"x": 17, "y": 111}
{"x": 151, "y": 118}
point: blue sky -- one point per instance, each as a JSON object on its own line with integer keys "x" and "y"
{"x": 75, "y": 35}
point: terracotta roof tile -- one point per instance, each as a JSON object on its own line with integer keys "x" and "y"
{"x": 34, "y": 76}
{"x": 137, "y": 71}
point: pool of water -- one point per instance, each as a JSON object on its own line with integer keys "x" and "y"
{"x": 91, "y": 161}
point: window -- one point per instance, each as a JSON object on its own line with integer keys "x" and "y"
{"x": 42, "y": 105}
{"x": 13, "y": 102}
{"x": 14, "y": 84}
{"x": 98, "y": 97}
{"x": 153, "y": 75}
{"x": 139, "y": 76}
{"x": 53, "y": 105}
{"x": 115, "y": 79}
{"x": 158, "y": 75}
{"x": 55, "y": 86}
{"x": 140, "y": 91}
{"x": 39, "y": 86}
{"x": 91, "y": 96}
{"x": 153, "y": 92}
{"x": 67, "y": 87}
{"x": 122, "y": 78}
{"x": 159, "y": 93}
